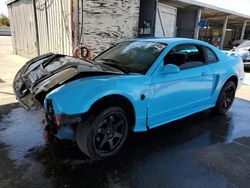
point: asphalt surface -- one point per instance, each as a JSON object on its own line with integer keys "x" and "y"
{"x": 203, "y": 150}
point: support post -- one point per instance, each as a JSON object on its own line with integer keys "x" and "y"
{"x": 198, "y": 18}
{"x": 36, "y": 28}
{"x": 75, "y": 23}
{"x": 47, "y": 25}
{"x": 236, "y": 33}
{"x": 243, "y": 30}
{"x": 223, "y": 33}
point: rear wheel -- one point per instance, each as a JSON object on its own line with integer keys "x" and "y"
{"x": 226, "y": 98}
{"x": 102, "y": 135}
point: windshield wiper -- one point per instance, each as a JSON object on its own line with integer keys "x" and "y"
{"x": 114, "y": 63}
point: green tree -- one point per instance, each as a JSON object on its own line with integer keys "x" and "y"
{"x": 4, "y": 20}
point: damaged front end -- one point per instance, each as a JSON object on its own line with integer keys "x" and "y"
{"x": 60, "y": 126}
{"x": 44, "y": 73}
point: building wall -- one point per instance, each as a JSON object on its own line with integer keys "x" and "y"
{"x": 53, "y": 19}
{"x": 22, "y": 28}
{"x": 104, "y": 23}
{"x": 99, "y": 24}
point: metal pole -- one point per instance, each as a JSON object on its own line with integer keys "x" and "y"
{"x": 36, "y": 28}
{"x": 243, "y": 30}
{"x": 198, "y": 18}
{"x": 223, "y": 33}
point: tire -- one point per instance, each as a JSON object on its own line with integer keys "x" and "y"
{"x": 101, "y": 136}
{"x": 226, "y": 98}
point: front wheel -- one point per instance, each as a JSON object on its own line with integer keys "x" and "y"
{"x": 226, "y": 98}
{"x": 103, "y": 135}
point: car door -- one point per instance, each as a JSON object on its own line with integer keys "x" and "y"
{"x": 185, "y": 92}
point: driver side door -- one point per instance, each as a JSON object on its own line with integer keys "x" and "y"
{"x": 179, "y": 94}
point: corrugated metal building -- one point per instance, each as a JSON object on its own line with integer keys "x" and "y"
{"x": 40, "y": 26}
{"x": 60, "y": 25}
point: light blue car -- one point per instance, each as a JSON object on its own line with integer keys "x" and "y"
{"x": 135, "y": 85}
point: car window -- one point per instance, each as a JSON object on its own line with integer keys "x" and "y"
{"x": 185, "y": 56}
{"x": 132, "y": 56}
{"x": 186, "y": 49}
{"x": 211, "y": 56}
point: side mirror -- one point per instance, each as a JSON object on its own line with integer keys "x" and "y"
{"x": 171, "y": 69}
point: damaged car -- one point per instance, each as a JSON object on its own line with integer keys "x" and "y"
{"x": 135, "y": 85}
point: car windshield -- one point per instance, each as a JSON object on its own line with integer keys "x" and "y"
{"x": 245, "y": 44}
{"x": 131, "y": 56}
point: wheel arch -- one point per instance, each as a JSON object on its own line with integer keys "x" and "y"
{"x": 234, "y": 79}
{"x": 114, "y": 100}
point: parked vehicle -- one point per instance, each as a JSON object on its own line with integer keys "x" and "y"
{"x": 135, "y": 85}
{"x": 243, "y": 50}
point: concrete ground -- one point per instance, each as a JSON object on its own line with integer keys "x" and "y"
{"x": 9, "y": 65}
{"x": 203, "y": 150}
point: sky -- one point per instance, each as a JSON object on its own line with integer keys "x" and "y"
{"x": 3, "y": 8}
{"x": 242, "y": 6}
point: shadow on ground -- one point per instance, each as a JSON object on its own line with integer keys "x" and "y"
{"x": 203, "y": 150}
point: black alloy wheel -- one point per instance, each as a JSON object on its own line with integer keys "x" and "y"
{"x": 226, "y": 97}
{"x": 103, "y": 136}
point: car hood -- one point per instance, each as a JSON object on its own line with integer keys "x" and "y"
{"x": 44, "y": 73}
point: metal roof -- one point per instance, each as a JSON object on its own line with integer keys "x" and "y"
{"x": 191, "y": 2}
{"x": 206, "y": 5}
{"x": 10, "y": 1}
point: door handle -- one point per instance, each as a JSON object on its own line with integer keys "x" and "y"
{"x": 206, "y": 74}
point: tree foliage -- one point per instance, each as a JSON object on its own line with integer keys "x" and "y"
{"x": 4, "y": 20}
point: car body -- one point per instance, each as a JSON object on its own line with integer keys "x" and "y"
{"x": 236, "y": 43}
{"x": 243, "y": 50}
{"x": 159, "y": 81}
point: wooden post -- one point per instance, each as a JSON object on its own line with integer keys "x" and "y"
{"x": 243, "y": 30}
{"x": 75, "y": 23}
{"x": 36, "y": 28}
{"x": 223, "y": 33}
{"x": 47, "y": 25}
{"x": 198, "y": 19}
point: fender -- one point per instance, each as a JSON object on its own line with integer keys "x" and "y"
{"x": 75, "y": 98}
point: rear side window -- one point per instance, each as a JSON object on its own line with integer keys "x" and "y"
{"x": 189, "y": 49}
{"x": 211, "y": 56}
{"x": 186, "y": 56}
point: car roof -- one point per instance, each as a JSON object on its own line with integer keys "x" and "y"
{"x": 169, "y": 40}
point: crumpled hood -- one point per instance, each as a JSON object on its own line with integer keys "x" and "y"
{"x": 44, "y": 73}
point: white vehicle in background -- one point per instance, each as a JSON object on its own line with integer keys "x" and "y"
{"x": 243, "y": 50}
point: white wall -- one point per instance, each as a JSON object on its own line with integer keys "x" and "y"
{"x": 107, "y": 22}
